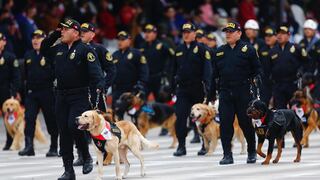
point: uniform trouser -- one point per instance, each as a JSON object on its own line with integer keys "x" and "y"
{"x": 234, "y": 101}
{"x": 185, "y": 100}
{"x": 154, "y": 85}
{"x": 41, "y": 99}
{"x": 282, "y": 93}
{"x": 116, "y": 93}
{"x": 266, "y": 91}
{"x": 69, "y": 105}
{"x": 4, "y": 95}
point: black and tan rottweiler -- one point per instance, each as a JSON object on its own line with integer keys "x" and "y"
{"x": 147, "y": 116}
{"x": 273, "y": 125}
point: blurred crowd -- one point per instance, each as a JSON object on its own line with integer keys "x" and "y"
{"x": 19, "y": 18}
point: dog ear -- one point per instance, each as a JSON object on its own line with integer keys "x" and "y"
{"x": 210, "y": 111}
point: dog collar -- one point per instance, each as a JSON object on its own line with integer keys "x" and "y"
{"x": 263, "y": 119}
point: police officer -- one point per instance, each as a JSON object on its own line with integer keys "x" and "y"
{"x": 76, "y": 67}
{"x": 270, "y": 37}
{"x": 212, "y": 41}
{"x": 286, "y": 61}
{"x": 309, "y": 42}
{"x": 192, "y": 70}
{"x": 235, "y": 64}
{"x": 132, "y": 69}
{"x": 105, "y": 59}
{"x": 251, "y": 28}
{"x": 9, "y": 79}
{"x": 39, "y": 76}
{"x": 159, "y": 58}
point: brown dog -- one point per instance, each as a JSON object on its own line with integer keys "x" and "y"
{"x": 203, "y": 115}
{"x": 130, "y": 138}
{"x": 310, "y": 117}
{"x": 15, "y": 123}
{"x": 150, "y": 115}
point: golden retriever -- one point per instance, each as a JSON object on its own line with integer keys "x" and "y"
{"x": 131, "y": 139}
{"x": 14, "y": 122}
{"x": 203, "y": 115}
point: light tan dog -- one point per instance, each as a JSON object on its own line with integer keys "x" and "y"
{"x": 131, "y": 139}
{"x": 15, "y": 123}
{"x": 203, "y": 116}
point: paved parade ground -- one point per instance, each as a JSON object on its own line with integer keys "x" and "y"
{"x": 161, "y": 165}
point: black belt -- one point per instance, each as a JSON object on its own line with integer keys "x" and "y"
{"x": 72, "y": 91}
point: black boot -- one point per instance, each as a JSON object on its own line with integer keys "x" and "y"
{"x": 202, "y": 151}
{"x": 163, "y": 132}
{"x": 181, "y": 151}
{"x": 87, "y": 164}
{"x": 227, "y": 159}
{"x": 79, "y": 161}
{"x": 53, "y": 147}
{"x": 28, "y": 150}
{"x": 196, "y": 138}
{"x": 252, "y": 158}
{"x": 68, "y": 171}
{"x": 8, "y": 142}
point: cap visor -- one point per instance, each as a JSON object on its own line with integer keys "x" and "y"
{"x": 84, "y": 30}
{"x": 229, "y": 29}
{"x": 64, "y": 25}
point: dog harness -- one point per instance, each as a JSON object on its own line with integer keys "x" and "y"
{"x": 11, "y": 118}
{"x": 260, "y": 126}
{"x": 101, "y": 139}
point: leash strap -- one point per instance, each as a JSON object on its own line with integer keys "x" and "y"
{"x": 97, "y": 99}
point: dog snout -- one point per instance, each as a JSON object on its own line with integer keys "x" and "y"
{"x": 192, "y": 115}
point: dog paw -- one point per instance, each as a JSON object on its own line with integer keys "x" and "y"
{"x": 118, "y": 178}
{"x": 143, "y": 174}
{"x": 172, "y": 147}
{"x": 209, "y": 154}
{"x": 98, "y": 178}
{"x": 265, "y": 163}
{"x": 124, "y": 177}
{"x": 296, "y": 160}
{"x": 306, "y": 146}
{"x": 275, "y": 161}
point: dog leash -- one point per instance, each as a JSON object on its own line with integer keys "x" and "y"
{"x": 104, "y": 101}
{"x": 205, "y": 98}
{"x": 97, "y": 99}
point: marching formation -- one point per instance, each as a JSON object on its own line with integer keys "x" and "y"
{"x": 245, "y": 88}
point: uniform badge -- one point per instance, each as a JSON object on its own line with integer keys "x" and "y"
{"x": 2, "y": 61}
{"x": 208, "y": 56}
{"x": 130, "y": 56}
{"x": 244, "y": 48}
{"x": 256, "y": 46}
{"x": 159, "y": 46}
{"x": 195, "y": 50}
{"x": 219, "y": 54}
{"x": 274, "y": 56}
{"x": 115, "y": 61}
{"x": 143, "y": 60}
{"x": 28, "y": 61}
{"x": 90, "y": 57}
{"x": 304, "y": 52}
{"x": 15, "y": 63}
{"x": 108, "y": 56}
{"x": 264, "y": 53}
{"x": 179, "y": 53}
{"x": 59, "y": 53}
{"x": 302, "y": 45}
{"x": 73, "y": 55}
{"x": 42, "y": 62}
{"x": 292, "y": 49}
{"x": 141, "y": 49}
{"x": 171, "y": 51}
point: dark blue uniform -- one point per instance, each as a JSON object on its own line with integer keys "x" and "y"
{"x": 159, "y": 58}
{"x": 234, "y": 68}
{"x": 75, "y": 68}
{"x": 285, "y": 65}
{"x": 131, "y": 68}
{"x": 257, "y": 43}
{"x": 192, "y": 71}
{"x": 311, "y": 47}
{"x": 266, "y": 86}
{"x": 107, "y": 65}
{"x": 9, "y": 82}
{"x": 39, "y": 74}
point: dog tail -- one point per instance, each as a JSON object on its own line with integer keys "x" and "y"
{"x": 148, "y": 144}
{"x": 38, "y": 134}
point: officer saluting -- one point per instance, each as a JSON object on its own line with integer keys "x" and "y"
{"x": 9, "y": 79}
{"x": 39, "y": 75}
{"x": 192, "y": 70}
{"x": 132, "y": 68}
{"x": 76, "y": 67}
{"x": 105, "y": 59}
{"x": 235, "y": 63}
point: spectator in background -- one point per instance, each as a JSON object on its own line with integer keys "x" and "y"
{"x": 27, "y": 25}
{"x": 246, "y": 11}
{"x": 127, "y": 14}
{"x": 51, "y": 18}
{"x": 207, "y": 15}
{"x": 107, "y": 22}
